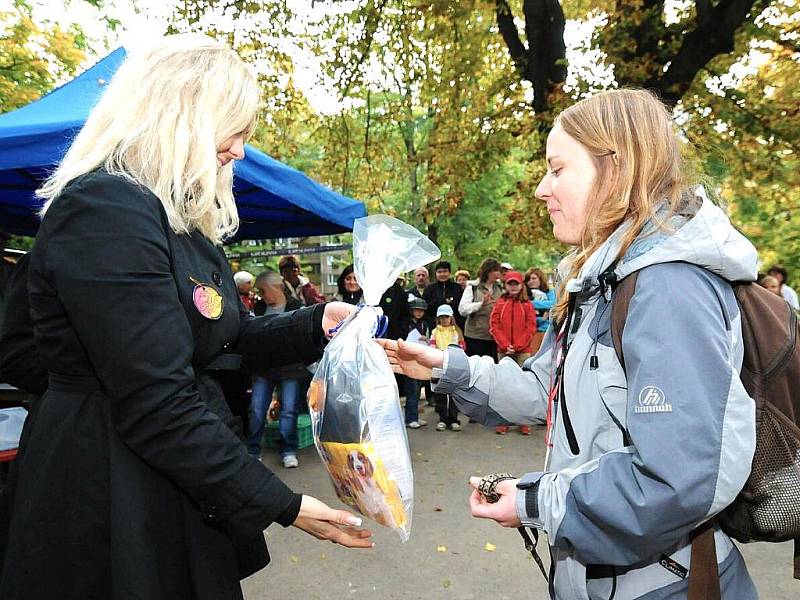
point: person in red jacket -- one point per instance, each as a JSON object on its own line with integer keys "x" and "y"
{"x": 513, "y": 325}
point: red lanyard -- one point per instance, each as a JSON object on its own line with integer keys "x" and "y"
{"x": 556, "y": 377}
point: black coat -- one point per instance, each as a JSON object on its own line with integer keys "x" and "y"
{"x": 438, "y": 293}
{"x": 294, "y": 371}
{"x": 130, "y": 483}
{"x": 20, "y": 361}
{"x": 394, "y": 303}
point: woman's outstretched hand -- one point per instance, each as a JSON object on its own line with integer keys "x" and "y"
{"x": 410, "y": 359}
{"x": 504, "y": 511}
{"x": 335, "y": 313}
{"x": 338, "y": 526}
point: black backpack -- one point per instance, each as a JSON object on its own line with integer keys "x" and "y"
{"x": 768, "y": 507}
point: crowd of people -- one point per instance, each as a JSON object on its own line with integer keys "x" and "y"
{"x": 499, "y": 313}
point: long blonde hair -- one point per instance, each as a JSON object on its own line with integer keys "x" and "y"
{"x": 160, "y": 122}
{"x": 642, "y": 169}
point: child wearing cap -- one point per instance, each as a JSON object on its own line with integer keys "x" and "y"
{"x": 446, "y": 333}
{"x": 513, "y": 325}
{"x": 418, "y": 331}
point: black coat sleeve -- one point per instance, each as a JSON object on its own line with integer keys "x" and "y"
{"x": 20, "y": 361}
{"x": 429, "y": 295}
{"x": 280, "y": 340}
{"x": 106, "y": 256}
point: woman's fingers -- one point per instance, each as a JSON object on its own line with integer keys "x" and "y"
{"x": 425, "y": 356}
{"x": 325, "y": 530}
{"x": 388, "y": 345}
{"x": 478, "y": 506}
{"x": 342, "y": 517}
{"x": 312, "y": 508}
{"x": 503, "y": 511}
{"x": 352, "y": 538}
{"x": 334, "y": 313}
{"x": 406, "y": 351}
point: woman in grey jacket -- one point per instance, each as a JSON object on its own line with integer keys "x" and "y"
{"x": 476, "y": 306}
{"x": 637, "y": 457}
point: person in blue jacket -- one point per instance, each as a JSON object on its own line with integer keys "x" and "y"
{"x": 639, "y": 458}
{"x": 542, "y": 296}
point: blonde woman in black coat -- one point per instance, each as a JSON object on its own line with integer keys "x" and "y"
{"x": 131, "y": 483}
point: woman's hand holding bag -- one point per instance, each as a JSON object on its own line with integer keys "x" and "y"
{"x": 412, "y": 360}
{"x": 325, "y": 523}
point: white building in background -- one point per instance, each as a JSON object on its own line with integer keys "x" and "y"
{"x": 322, "y": 257}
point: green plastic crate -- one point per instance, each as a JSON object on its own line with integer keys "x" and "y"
{"x": 305, "y": 438}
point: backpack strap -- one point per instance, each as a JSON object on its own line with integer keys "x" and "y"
{"x": 797, "y": 558}
{"x": 620, "y": 300}
{"x": 703, "y": 570}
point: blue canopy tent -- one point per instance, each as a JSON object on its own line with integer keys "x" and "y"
{"x": 274, "y": 200}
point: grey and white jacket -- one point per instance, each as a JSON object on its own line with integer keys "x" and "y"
{"x": 661, "y": 448}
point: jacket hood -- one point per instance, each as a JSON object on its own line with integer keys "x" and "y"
{"x": 700, "y": 233}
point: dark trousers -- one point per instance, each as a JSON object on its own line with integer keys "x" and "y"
{"x": 446, "y": 407}
{"x": 412, "y": 387}
{"x": 476, "y": 347}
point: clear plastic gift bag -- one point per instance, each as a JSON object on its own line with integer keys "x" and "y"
{"x": 358, "y": 425}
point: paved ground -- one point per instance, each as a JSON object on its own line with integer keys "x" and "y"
{"x": 447, "y": 554}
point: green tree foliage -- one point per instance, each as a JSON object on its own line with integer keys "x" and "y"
{"x": 438, "y": 112}
{"x": 34, "y": 57}
{"x": 440, "y": 108}
{"x": 750, "y": 137}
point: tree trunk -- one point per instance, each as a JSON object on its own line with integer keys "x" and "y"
{"x": 433, "y": 233}
{"x": 543, "y": 61}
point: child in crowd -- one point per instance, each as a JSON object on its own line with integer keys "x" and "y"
{"x": 771, "y": 284}
{"x": 513, "y": 325}
{"x": 446, "y": 333}
{"x": 419, "y": 332}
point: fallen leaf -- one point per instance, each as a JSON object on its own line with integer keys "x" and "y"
{"x": 489, "y": 547}
{"x": 499, "y": 447}
{"x": 294, "y": 559}
{"x": 419, "y": 453}
{"x": 446, "y": 583}
{"x": 478, "y": 472}
{"x": 323, "y": 556}
{"x": 441, "y": 548}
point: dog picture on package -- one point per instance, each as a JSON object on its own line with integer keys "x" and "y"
{"x": 361, "y": 481}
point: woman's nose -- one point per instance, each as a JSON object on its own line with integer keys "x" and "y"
{"x": 543, "y": 189}
{"x": 237, "y": 148}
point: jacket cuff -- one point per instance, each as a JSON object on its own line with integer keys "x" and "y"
{"x": 455, "y": 372}
{"x": 289, "y": 516}
{"x": 528, "y": 500}
{"x": 317, "y": 337}
{"x": 243, "y": 515}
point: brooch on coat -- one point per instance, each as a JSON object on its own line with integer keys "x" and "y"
{"x": 207, "y": 300}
